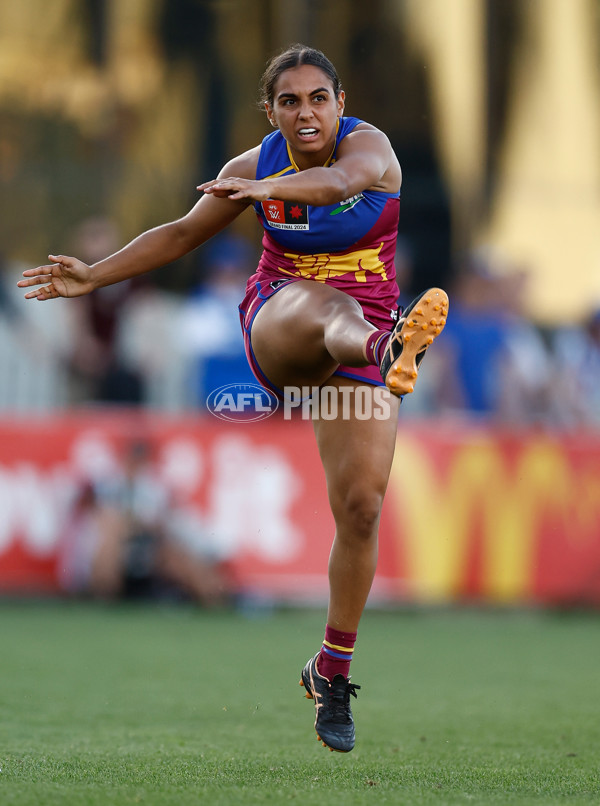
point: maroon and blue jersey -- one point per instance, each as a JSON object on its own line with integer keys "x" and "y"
{"x": 350, "y": 244}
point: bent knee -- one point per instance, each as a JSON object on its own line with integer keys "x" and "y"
{"x": 358, "y": 510}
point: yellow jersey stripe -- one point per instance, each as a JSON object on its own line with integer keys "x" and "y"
{"x": 280, "y": 173}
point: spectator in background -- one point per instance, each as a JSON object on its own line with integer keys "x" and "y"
{"x": 210, "y": 325}
{"x": 81, "y": 539}
{"x": 122, "y": 540}
{"x": 525, "y": 371}
{"x": 493, "y": 362}
{"x": 474, "y": 339}
{"x": 577, "y": 352}
{"x": 97, "y": 371}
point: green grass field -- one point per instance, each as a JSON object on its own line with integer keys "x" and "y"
{"x": 172, "y": 705}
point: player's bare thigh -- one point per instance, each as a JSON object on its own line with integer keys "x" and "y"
{"x": 288, "y": 333}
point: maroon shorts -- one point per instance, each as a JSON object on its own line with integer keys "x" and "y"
{"x": 257, "y": 293}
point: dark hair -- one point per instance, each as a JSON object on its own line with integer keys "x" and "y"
{"x": 295, "y": 56}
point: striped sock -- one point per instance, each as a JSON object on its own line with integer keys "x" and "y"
{"x": 336, "y": 653}
{"x": 375, "y": 345}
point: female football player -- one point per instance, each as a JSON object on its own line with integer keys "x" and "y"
{"x": 321, "y": 309}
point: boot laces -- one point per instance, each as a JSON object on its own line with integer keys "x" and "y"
{"x": 340, "y": 690}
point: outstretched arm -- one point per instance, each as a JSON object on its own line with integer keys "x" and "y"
{"x": 69, "y": 277}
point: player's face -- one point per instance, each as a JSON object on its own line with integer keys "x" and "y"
{"x": 306, "y": 110}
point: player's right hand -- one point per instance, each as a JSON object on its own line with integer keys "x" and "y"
{"x": 64, "y": 277}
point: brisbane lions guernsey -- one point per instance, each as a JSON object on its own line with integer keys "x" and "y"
{"x": 350, "y": 244}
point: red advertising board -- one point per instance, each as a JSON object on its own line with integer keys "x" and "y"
{"x": 471, "y": 513}
{"x": 501, "y": 516}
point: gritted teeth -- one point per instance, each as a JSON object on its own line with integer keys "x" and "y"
{"x": 307, "y": 131}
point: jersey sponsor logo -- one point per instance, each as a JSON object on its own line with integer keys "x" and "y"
{"x": 285, "y": 215}
{"x": 363, "y": 264}
{"x": 348, "y": 204}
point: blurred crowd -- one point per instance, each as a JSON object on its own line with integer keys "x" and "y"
{"x": 495, "y": 364}
{"x": 137, "y": 344}
{"x": 127, "y": 536}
